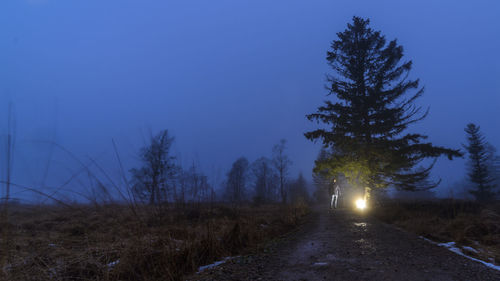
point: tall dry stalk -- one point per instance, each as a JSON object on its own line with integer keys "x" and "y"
{"x": 4, "y": 221}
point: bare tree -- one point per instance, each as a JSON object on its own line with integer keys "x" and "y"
{"x": 4, "y": 214}
{"x": 282, "y": 163}
{"x": 298, "y": 190}
{"x": 205, "y": 188}
{"x": 180, "y": 187}
{"x": 236, "y": 180}
{"x": 265, "y": 180}
{"x": 198, "y": 186}
{"x": 155, "y": 177}
{"x": 194, "y": 181}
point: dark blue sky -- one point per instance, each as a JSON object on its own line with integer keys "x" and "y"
{"x": 227, "y": 78}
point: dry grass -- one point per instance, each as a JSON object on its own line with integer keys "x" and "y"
{"x": 464, "y": 222}
{"x": 113, "y": 243}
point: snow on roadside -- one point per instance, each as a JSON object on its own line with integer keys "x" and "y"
{"x": 212, "y": 265}
{"x": 453, "y": 247}
{"x": 470, "y": 249}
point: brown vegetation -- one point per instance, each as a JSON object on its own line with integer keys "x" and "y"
{"x": 114, "y": 243}
{"x": 464, "y": 222}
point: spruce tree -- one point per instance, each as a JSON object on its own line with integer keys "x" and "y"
{"x": 365, "y": 125}
{"x": 479, "y": 158}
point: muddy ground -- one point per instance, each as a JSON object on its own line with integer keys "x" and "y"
{"x": 344, "y": 245}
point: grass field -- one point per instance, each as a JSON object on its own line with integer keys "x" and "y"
{"x": 116, "y": 242}
{"x": 466, "y": 223}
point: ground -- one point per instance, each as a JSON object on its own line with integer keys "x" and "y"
{"x": 345, "y": 245}
{"x": 133, "y": 242}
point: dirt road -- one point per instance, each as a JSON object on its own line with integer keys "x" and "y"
{"x": 343, "y": 245}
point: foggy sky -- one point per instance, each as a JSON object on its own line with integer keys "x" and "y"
{"x": 226, "y": 78}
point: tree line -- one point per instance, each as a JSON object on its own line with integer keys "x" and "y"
{"x": 160, "y": 179}
{"x": 364, "y": 132}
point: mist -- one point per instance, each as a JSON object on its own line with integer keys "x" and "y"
{"x": 226, "y": 79}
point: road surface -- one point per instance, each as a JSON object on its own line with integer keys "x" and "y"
{"x": 344, "y": 245}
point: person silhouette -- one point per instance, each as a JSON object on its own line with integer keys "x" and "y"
{"x": 335, "y": 192}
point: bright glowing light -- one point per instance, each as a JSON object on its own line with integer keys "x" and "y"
{"x": 361, "y": 204}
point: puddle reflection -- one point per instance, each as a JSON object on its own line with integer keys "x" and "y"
{"x": 360, "y": 224}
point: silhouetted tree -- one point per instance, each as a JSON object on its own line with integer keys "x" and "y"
{"x": 298, "y": 190}
{"x": 282, "y": 163}
{"x": 181, "y": 187}
{"x": 494, "y": 166}
{"x": 158, "y": 168}
{"x": 374, "y": 106}
{"x": 196, "y": 184}
{"x": 265, "y": 180}
{"x": 478, "y": 164}
{"x": 321, "y": 178}
{"x": 193, "y": 181}
{"x": 236, "y": 180}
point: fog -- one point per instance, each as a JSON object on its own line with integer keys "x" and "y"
{"x": 226, "y": 78}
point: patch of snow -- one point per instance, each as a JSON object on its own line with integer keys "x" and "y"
{"x": 447, "y": 245}
{"x": 451, "y": 246}
{"x": 212, "y": 265}
{"x": 470, "y": 249}
{"x": 320, "y": 264}
{"x": 113, "y": 263}
{"x": 428, "y": 240}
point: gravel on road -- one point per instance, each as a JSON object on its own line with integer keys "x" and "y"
{"x": 345, "y": 245}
